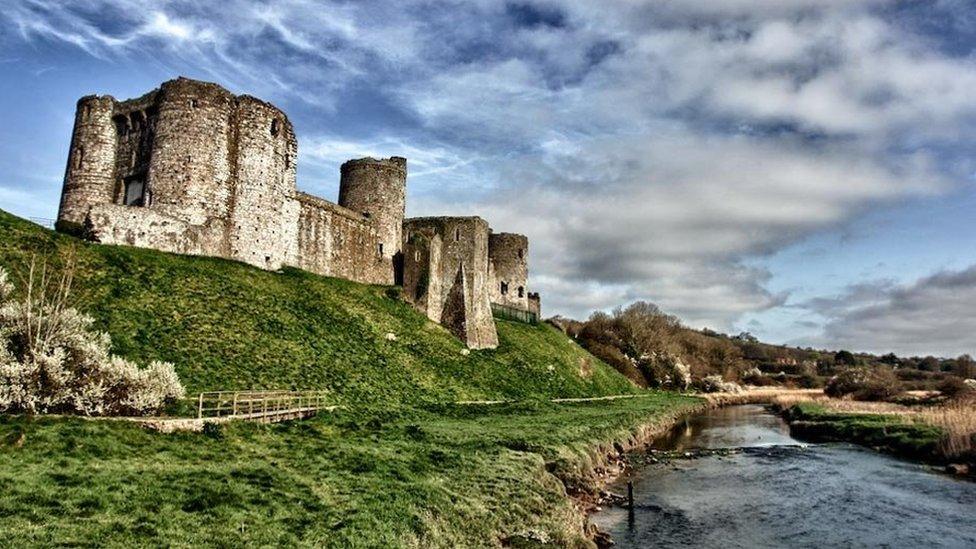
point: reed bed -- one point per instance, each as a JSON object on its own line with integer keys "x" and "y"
{"x": 957, "y": 418}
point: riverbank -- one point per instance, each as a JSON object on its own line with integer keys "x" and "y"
{"x": 607, "y": 462}
{"x": 441, "y": 476}
{"x": 735, "y": 477}
{"x": 937, "y": 435}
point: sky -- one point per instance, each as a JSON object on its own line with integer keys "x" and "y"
{"x": 802, "y": 170}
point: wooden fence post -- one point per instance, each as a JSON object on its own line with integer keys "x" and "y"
{"x": 200, "y": 407}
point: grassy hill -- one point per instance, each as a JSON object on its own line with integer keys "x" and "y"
{"x": 396, "y": 467}
{"x": 226, "y": 325}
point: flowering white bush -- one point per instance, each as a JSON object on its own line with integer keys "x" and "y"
{"x": 51, "y": 361}
{"x": 715, "y": 384}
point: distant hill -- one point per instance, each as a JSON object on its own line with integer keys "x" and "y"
{"x": 226, "y": 325}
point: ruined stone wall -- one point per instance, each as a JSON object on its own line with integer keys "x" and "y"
{"x": 263, "y": 228}
{"x": 377, "y": 189}
{"x": 421, "y": 269}
{"x": 189, "y": 154}
{"x": 135, "y": 126}
{"x": 334, "y": 241}
{"x": 509, "y": 269}
{"x": 90, "y": 173}
{"x": 535, "y": 304}
{"x": 191, "y": 168}
{"x": 453, "y": 254}
{"x": 193, "y": 152}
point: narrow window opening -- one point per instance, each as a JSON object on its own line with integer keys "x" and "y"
{"x": 521, "y": 253}
{"x": 122, "y": 125}
{"x": 457, "y": 235}
{"x": 275, "y": 127}
{"x": 504, "y": 288}
{"x": 193, "y": 103}
{"x": 416, "y": 255}
{"x": 380, "y": 248}
{"x": 521, "y": 291}
{"x": 135, "y": 191}
{"x": 79, "y": 157}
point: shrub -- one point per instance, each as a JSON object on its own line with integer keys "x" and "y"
{"x": 213, "y": 430}
{"x": 715, "y": 384}
{"x": 808, "y": 381}
{"x": 845, "y": 358}
{"x": 51, "y": 361}
{"x": 954, "y": 387}
{"x": 864, "y": 384}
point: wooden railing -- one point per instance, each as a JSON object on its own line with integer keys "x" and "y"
{"x": 260, "y": 404}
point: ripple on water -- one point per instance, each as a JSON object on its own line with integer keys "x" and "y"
{"x": 777, "y": 496}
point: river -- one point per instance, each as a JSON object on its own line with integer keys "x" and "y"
{"x": 779, "y": 492}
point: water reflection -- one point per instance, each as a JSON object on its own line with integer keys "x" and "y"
{"x": 729, "y": 427}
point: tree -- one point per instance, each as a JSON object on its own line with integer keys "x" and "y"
{"x": 965, "y": 367}
{"x": 929, "y": 364}
{"x": 746, "y": 336}
{"x": 891, "y": 359}
{"x": 845, "y": 358}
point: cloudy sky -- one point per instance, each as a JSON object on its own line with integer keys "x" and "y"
{"x": 800, "y": 169}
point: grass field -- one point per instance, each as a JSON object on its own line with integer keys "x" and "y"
{"x": 445, "y": 477}
{"x": 398, "y": 465}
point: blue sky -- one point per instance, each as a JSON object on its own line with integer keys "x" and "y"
{"x": 802, "y": 170}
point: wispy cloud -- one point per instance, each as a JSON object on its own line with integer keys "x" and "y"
{"x": 652, "y": 150}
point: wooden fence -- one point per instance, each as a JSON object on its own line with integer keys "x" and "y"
{"x": 261, "y": 404}
{"x": 513, "y": 313}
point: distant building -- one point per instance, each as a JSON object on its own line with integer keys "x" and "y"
{"x": 191, "y": 168}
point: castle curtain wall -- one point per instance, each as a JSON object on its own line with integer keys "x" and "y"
{"x": 191, "y": 168}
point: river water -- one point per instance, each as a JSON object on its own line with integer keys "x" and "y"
{"x": 779, "y": 492}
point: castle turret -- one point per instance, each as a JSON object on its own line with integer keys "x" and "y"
{"x": 190, "y": 169}
{"x": 377, "y": 189}
{"x": 90, "y": 174}
{"x": 508, "y": 256}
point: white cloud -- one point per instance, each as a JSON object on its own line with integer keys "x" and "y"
{"x": 930, "y": 316}
{"x": 649, "y": 149}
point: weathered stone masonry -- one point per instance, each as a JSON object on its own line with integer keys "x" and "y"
{"x": 191, "y": 168}
{"x": 446, "y": 275}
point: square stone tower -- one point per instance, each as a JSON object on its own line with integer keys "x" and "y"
{"x": 445, "y": 275}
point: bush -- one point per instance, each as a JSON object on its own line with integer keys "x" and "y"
{"x": 715, "y": 384}
{"x": 954, "y": 387}
{"x": 808, "y": 381}
{"x": 864, "y": 384}
{"x": 50, "y": 361}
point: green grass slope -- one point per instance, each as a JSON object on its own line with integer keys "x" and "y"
{"x": 457, "y": 477}
{"x": 226, "y": 325}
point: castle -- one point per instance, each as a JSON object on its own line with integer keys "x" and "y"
{"x": 191, "y": 168}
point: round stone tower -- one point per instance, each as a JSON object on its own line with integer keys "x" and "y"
{"x": 377, "y": 189}
{"x": 90, "y": 174}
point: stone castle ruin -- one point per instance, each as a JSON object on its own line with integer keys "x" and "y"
{"x": 191, "y": 168}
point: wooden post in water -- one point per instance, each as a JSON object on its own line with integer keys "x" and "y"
{"x": 630, "y": 494}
